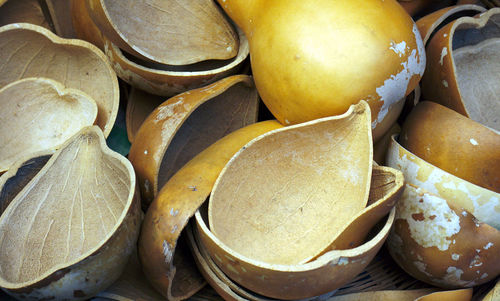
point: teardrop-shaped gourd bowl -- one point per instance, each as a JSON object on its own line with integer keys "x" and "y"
{"x": 39, "y": 114}
{"x": 186, "y": 124}
{"x": 177, "y": 33}
{"x": 154, "y": 78}
{"x": 463, "y": 70}
{"x": 33, "y": 51}
{"x": 69, "y": 232}
{"x": 295, "y": 278}
{"x": 160, "y": 243}
{"x": 273, "y": 201}
{"x": 386, "y": 187}
{"x": 446, "y": 231}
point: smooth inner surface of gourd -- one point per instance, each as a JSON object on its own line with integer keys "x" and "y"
{"x": 26, "y": 53}
{"x": 64, "y": 213}
{"x": 212, "y": 120}
{"x": 286, "y": 196}
{"x": 477, "y": 65}
{"x": 192, "y": 31}
{"x": 36, "y": 116}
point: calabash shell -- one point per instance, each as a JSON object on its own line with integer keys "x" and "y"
{"x": 454, "y": 143}
{"x": 79, "y": 215}
{"x": 428, "y": 24}
{"x": 177, "y": 33}
{"x": 440, "y": 243}
{"x": 26, "y": 11}
{"x": 167, "y": 80}
{"x": 33, "y": 51}
{"x": 139, "y": 105}
{"x": 186, "y": 124}
{"x": 327, "y": 273}
{"x": 177, "y": 201}
{"x": 283, "y": 213}
{"x": 408, "y": 295}
{"x": 303, "y": 72}
{"x": 84, "y": 26}
{"x": 462, "y": 72}
{"x": 387, "y": 184}
{"x": 39, "y": 114}
{"x": 19, "y": 174}
{"x": 481, "y": 202}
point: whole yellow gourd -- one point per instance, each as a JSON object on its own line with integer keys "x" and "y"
{"x": 312, "y": 59}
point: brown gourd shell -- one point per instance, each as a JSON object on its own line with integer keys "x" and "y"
{"x": 440, "y": 243}
{"x": 283, "y": 213}
{"x": 324, "y": 274}
{"x": 462, "y": 70}
{"x": 408, "y": 295}
{"x": 39, "y": 114}
{"x": 25, "y": 11}
{"x": 84, "y": 26}
{"x": 483, "y": 203}
{"x": 428, "y": 24}
{"x": 79, "y": 215}
{"x": 454, "y": 143}
{"x": 160, "y": 239}
{"x": 139, "y": 105}
{"x": 386, "y": 187}
{"x": 186, "y": 124}
{"x": 169, "y": 80}
{"x": 166, "y": 32}
{"x": 446, "y": 231}
{"x": 33, "y": 51}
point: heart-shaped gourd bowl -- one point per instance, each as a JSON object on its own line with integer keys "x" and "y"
{"x": 186, "y": 124}
{"x": 39, "y": 114}
{"x": 313, "y": 205}
{"x": 33, "y": 51}
{"x": 462, "y": 67}
{"x": 70, "y": 231}
{"x": 446, "y": 230}
{"x": 165, "y": 261}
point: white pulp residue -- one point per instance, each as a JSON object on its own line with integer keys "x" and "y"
{"x": 394, "y": 88}
{"x": 437, "y": 222}
{"x": 444, "y": 52}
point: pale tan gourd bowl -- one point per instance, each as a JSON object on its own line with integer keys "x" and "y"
{"x": 168, "y": 80}
{"x": 69, "y": 232}
{"x": 39, "y": 114}
{"x": 166, "y": 32}
{"x": 26, "y": 11}
{"x": 33, "y": 51}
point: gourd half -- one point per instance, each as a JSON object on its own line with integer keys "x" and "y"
{"x": 70, "y": 231}
{"x": 39, "y": 114}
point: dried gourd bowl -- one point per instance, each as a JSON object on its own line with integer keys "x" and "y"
{"x": 165, "y": 75}
{"x": 59, "y": 113}
{"x": 70, "y": 231}
{"x": 446, "y": 231}
{"x": 309, "y": 235}
{"x": 463, "y": 71}
{"x": 33, "y": 51}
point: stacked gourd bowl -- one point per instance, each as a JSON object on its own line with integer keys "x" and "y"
{"x": 278, "y": 150}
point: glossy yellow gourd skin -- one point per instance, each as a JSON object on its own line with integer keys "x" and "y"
{"x": 313, "y": 59}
